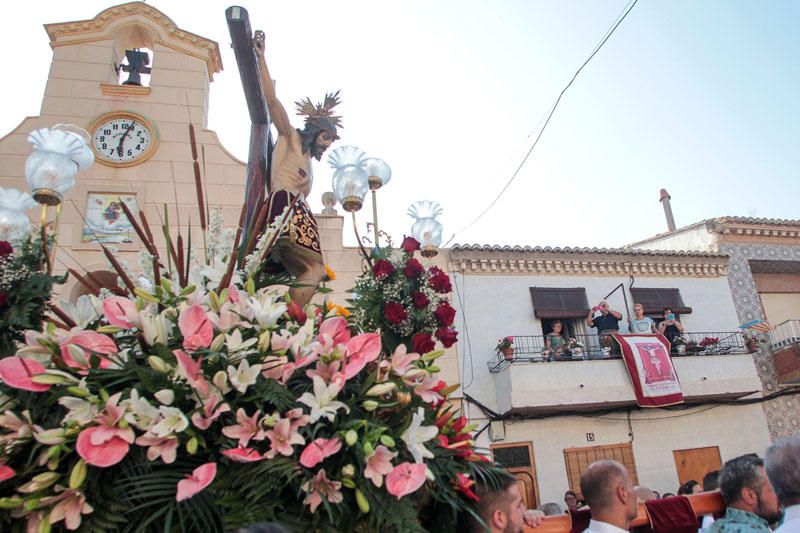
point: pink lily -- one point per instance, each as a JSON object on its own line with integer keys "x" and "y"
{"x": 92, "y": 342}
{"x": 379, "y": 463}
{"x": 226, "y": 319}
{"x": 195, "y": 327}
{"x": 121, "y": 312}
{"x": 233, "y": 294}
{"x": 426, "y": 389}
{"x": 297, "y": 418}
{"x": 273, "y": 366}
{"x": 401, "y": 360}
{"x": 201, "y": 477}
{"x": 247, "y": 428}
{"x": 106, "y": 444}
{"x": 71, "y": 505}
{"x": 318, "y": 450}
{"x": 18, "y": 372}
{"x": 282, "y": 437}
{"x": 326, "y": 371}
{"x": 320, "y": 487}
{"x": 211, "y": 411}
{"x": 243, "y": 455}
{"x": 361, "y": 349}
{"x": 405, "y": 478}
{"x": 191, "y": 371}
{"x": 21, "y": 429}
{"x": 164, "y": 447}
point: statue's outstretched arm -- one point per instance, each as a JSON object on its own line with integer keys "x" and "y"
{"x": 276, "y": 110}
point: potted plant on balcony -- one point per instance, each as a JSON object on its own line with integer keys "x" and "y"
{"x": 750, "y": 342}
{"x": 679, "y": 344}
{"x": 575, "y": 347}
{"x": 709, "y": 344}
{"x": 505, "y": 346}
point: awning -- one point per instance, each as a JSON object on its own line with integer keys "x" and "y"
{"x": 553, "y": 302}
{"x": 655, "y": 301}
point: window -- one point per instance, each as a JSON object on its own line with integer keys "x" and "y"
{"x": 655, "y": 300}
{"x": 578, "y": 459}
{"x": 695, "y": 463}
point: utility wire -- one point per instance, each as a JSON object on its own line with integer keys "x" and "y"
{"x": 597, "y": 48}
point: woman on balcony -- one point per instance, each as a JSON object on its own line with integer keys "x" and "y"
{"x": 555, "y": 342}
{"x": 670, "y": 327}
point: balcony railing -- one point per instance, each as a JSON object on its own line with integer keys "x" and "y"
{"x": 785, "y": 333}
{"x": 531, "y": 348}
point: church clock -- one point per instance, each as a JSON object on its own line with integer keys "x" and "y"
{"x": 123, "y": 139}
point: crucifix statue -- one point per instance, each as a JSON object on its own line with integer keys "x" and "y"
{"x": 288, "y": 165}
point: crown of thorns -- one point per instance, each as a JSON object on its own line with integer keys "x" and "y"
{"x": 323, "y": 110}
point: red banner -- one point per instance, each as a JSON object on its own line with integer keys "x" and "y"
{"x": 649, "y": 365}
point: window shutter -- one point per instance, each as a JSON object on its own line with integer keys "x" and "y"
{"x": 553, "y": 302}
{"x": 655, "y": 300}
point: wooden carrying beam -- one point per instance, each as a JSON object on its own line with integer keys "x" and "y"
{"x": 260, "y": 154}
{"x": 703, "y": 504}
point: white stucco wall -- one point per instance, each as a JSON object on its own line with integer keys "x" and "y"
{"x": 493, "y": 306}
{"x": 655, "y": 434}
{"x": 698, "y": 239}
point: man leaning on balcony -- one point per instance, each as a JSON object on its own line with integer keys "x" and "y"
{"x": 606, "y": 322}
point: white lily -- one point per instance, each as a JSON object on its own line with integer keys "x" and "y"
{"x": 322, "y": 402}
{"x": 78, "y": 410}
{"x": 155, "y": 327}
{"x": 416, "y": 435}
{"x": 86, "y": 309}
{"x": 265, "y": 308}
{"x": 165, "y": 396}
{"x": 139, "y": 412}
{"x": 244, "y": 376}
{"x": 235, "y": 343}
{"x": 174, "y": 421}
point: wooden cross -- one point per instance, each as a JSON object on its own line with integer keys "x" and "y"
{"x": 261, "y": 144}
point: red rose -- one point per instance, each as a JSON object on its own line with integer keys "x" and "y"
{"x": 3, "y": 299}
{"x": 445, "y": 314}
{"x": 297, "y": 314}
{"x": 413, "y": 268}
{"x": 448, "y": 336}
{"x": 410, "y": 245}
{"x": 382, "y": 268}
{"x": 395, "y": 313}
{"x": 439, "y": 281}
{"x": 422, "y": 343}
{"x": 420, "y": 300}
{"x": 6, "y": 248}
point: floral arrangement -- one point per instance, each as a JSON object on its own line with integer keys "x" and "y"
{"x": 574, "y": 343}
{"x": 24, "y": 291}
{"x": 405, "y": 300}
{"x": 205, "y": 402}
{"x": 504, "y": 344}
{"x": 709, "y": 342}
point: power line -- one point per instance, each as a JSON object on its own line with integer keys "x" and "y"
{"x": 597, "y": 48}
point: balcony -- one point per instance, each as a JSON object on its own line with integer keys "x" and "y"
{"x": 785, "y": 340}
{"x": 531, "y": 348}
{"x": 529, "y": 384}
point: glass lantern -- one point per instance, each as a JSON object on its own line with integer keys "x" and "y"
{"x": 378, "y": 171}
{"x": 426, "y": 229}
{"x": 14, "y": 223}
{"x": 58, "y": 154}
{"x": 350, "y": 180}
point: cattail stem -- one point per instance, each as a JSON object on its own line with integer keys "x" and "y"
{"x": 63, "y": 316}
{"x": 179, "y": 261}
{"x": 85, "y": 282}
{"x": 119, "y": 270}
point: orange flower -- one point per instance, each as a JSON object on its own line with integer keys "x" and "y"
{"x": 330, "y": 275}
{"x": 340, "y": 310}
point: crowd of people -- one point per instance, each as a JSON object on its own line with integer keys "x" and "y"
{"x": 760, "y": 495}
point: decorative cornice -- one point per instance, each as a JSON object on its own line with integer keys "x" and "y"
{"x": 109, "y": 89}
{"x": 591, "y": 262}
{"x": 96, "y": 29}
{"x": 566, "y": 267}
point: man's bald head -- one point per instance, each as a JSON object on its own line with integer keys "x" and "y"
{"x": 599, "y": 481}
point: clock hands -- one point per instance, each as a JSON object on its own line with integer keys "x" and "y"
{"x": 122, "y": 139}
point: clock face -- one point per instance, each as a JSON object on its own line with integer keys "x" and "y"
{"x": 122, "y": 140}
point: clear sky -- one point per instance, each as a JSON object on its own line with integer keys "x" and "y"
{"x": 698, "y": 97}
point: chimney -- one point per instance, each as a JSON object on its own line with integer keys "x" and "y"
{"x": 665, "y": 197}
